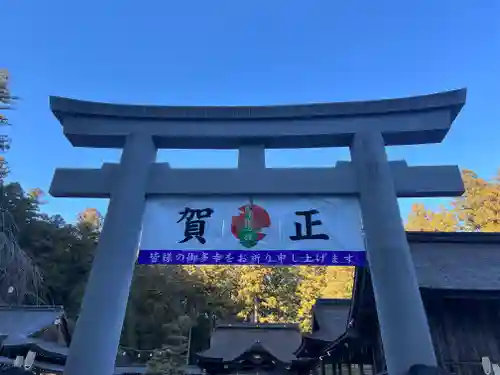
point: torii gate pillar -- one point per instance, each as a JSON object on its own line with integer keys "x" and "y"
{"x": 106, "y": 294}
{"x": 391, "y": 264}
{"x": 366, "y": 127}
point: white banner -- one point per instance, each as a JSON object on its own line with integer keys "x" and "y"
{"x": 264, "y": 224}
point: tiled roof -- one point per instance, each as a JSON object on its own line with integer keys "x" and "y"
{"x": 36, "y": 345}
{"x": 27, "y": 320}
{"x": 454, "y": 237}
{"x": 228, "y": 342}
{"x": 468, "y": 261}
{"x": 330, "y": 315}
{"x": 447, "y": 261}
{"x": 19, "y": 324}
{"x": 459, "y": 261}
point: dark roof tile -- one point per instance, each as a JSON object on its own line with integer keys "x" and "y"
{"x": 457, "y": 265}
{"x": 38, "y": 345}
{"x": 27, "y": 320}
{"x": 228, "y": 342}
{"x": 330, "y": 315}
{"x": 454, "y": 237}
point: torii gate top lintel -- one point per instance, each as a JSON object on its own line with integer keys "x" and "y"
{"x": 404, "y": 121}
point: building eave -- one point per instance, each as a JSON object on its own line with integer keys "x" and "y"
{"x": 453, "y": 237}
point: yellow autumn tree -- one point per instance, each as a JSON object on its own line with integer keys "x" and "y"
{"x": 477, "y": 210}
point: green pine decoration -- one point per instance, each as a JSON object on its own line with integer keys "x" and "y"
{"x": 248, "y": 236}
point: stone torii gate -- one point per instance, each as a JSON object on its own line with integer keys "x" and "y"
{"x": 366, "y": 127}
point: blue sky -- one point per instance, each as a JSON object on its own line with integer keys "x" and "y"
{"x": 246, "y": 53}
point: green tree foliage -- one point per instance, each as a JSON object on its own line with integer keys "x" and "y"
{"x": 159, "y": 295}
{"x": 21, "y": 280}
{"x": 164, "y": 304}
{"x": 61, "y": 252}
{"x": 6, "y": 101}
{"x": 320, "y": 282}
{"x": 221, "y": 286}
{"x": 251, "y": 289}
{"x": 278, "y": 303}
{"x": 267, "y": 294}
{"x": 478, "y": 210}
{"x": 170, "y": 358}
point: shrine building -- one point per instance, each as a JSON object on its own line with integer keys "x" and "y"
{"x": 459, "y": 279}
{"x": 253, "y": 348}
{"x": 44, "y": 331}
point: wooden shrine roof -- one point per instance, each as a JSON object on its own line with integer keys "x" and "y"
{"x": 34, "y": 328}
{"x": 329, "y": 318}
{"x": 451, "y": 261}
{"x": 456, "y": 261}
{"x": 230, "y": 341}
{"x": 40, "y": 346}
{"x": 27, "y": 320}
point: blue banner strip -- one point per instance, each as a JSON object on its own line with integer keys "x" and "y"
{"x": 245, "y": 257}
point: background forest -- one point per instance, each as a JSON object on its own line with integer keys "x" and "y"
{"x": 45, "y": 260}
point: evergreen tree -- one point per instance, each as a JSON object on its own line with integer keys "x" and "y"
{"x": 172, "y": 356}
{"x": 6, "y": 102}
{"x": 21, "y": 280}
{"x": 279, "y": 301}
